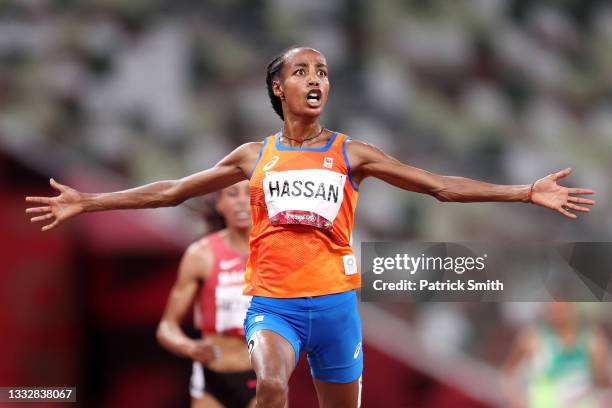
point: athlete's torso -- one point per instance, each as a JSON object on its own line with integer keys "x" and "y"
{"x": 560, "y": 375}
{"x": 302, "y": 206}
{"x": 222, "y": 303}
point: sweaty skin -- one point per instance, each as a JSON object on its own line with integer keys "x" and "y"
{"x": 303, "y": 88}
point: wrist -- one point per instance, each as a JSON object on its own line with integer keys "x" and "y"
{"x": 529, "y": 193}
{"x": 88, "y": 202}
{"x": 188, "y": 348}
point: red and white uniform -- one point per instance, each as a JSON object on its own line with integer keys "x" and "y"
{"x": 222, "y": 304}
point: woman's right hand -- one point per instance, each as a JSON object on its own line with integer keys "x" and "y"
{"x": 204, "y": 351}
{"x": 62, "y": 207}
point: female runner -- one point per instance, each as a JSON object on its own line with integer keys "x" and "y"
{"x": 213, "y": 270}
{"x": 565, "y": 359}
{"x": 301, "y": 268}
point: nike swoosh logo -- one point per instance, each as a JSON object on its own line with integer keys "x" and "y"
{"x": 229, "y": 264}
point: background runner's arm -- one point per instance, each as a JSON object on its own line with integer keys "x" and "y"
{"x": 369, "y": 161}
{"x": 231, "y": 169}
{"x": 195, "y": 266}
{"x": 521, "y": 350}
{"x": 599, "y": 359}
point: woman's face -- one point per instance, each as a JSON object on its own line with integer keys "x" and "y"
{"x": 560, "y": 313}
{"x": 233, "y": 205}
{"x": 303, "y": 85}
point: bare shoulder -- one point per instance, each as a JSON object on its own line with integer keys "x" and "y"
{"x": 244, "y": 156}
{"x": 250, "y": 148}
{"x": 200, "y": 249}
{"x": 367, "y": 159}
{"x": 198, "y": 258}
{"x": 361, "y": 151}
{"x": 245, "y": 152}
{"x": 359, "y": 146}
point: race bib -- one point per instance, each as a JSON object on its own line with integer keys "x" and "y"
{"x": 306, "y": 197}
{"x": 232, "y": 306}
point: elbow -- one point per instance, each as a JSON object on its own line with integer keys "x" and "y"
{"x": 449, "y": 193}
{"x": 172, "y": 196}
{"x": 441, "y": 196}
{"x": 450, "y": 189}
{"x": 445, "y": 196}
{"x": 159, "y": 334}
{"x": 171, "y": 200}
{"x": 440, "y": 190}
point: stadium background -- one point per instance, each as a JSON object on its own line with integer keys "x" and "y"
{"x": 109, "y": 94}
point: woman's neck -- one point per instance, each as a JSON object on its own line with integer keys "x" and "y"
{"x": 297, "y": 132}
{"x": 238, "y": 239}
{"x": 567, "y": 332}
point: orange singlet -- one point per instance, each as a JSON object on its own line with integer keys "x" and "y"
{"x": 302, "y": 205}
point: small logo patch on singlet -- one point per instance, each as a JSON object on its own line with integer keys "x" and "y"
{"x": 328, "y": 162}
{"x": 271, "y": 163}
{"x": 350, "y": 264}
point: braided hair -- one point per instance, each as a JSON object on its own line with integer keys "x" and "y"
{"x": 272, "y": 72}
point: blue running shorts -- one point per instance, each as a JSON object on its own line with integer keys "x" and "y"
{"x": 327, "y": 328}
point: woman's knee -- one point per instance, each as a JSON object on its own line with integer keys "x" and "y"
{"x": 272, "y": 389}
{"x": 273, "y": 385}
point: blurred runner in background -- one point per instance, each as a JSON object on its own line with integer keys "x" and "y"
{"x": 212, "y": 274}
{"x": 565, "y": 361}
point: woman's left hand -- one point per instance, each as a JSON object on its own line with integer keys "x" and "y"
{"x": 547, "y": 193}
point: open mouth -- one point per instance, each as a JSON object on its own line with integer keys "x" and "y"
{"x": 242, "y": 215}
{"x": 313, "y": 98}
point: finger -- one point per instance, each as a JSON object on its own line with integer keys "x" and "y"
{"x": 580, "y": 191}
{"x": 35, "y": 210}
{"x": 48, "y": 227}
{"x": 563, "y": 173}
{"x": 566, "y": 213}
{"x": 40, "y": 200}
{"x": 577, "y": 207}
{"x": 56, "y": 185}
{"x": 42, "y": 217}
{"x": 581, "y": 200}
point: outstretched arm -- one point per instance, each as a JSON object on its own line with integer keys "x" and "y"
{"x": 369, "y": 161}
{"x": 233, "y": 168}
{"x": 195, "y": 268}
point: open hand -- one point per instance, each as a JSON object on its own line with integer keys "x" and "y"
{"x": 60, "y": 208}
{"x": 547, "y": 193}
